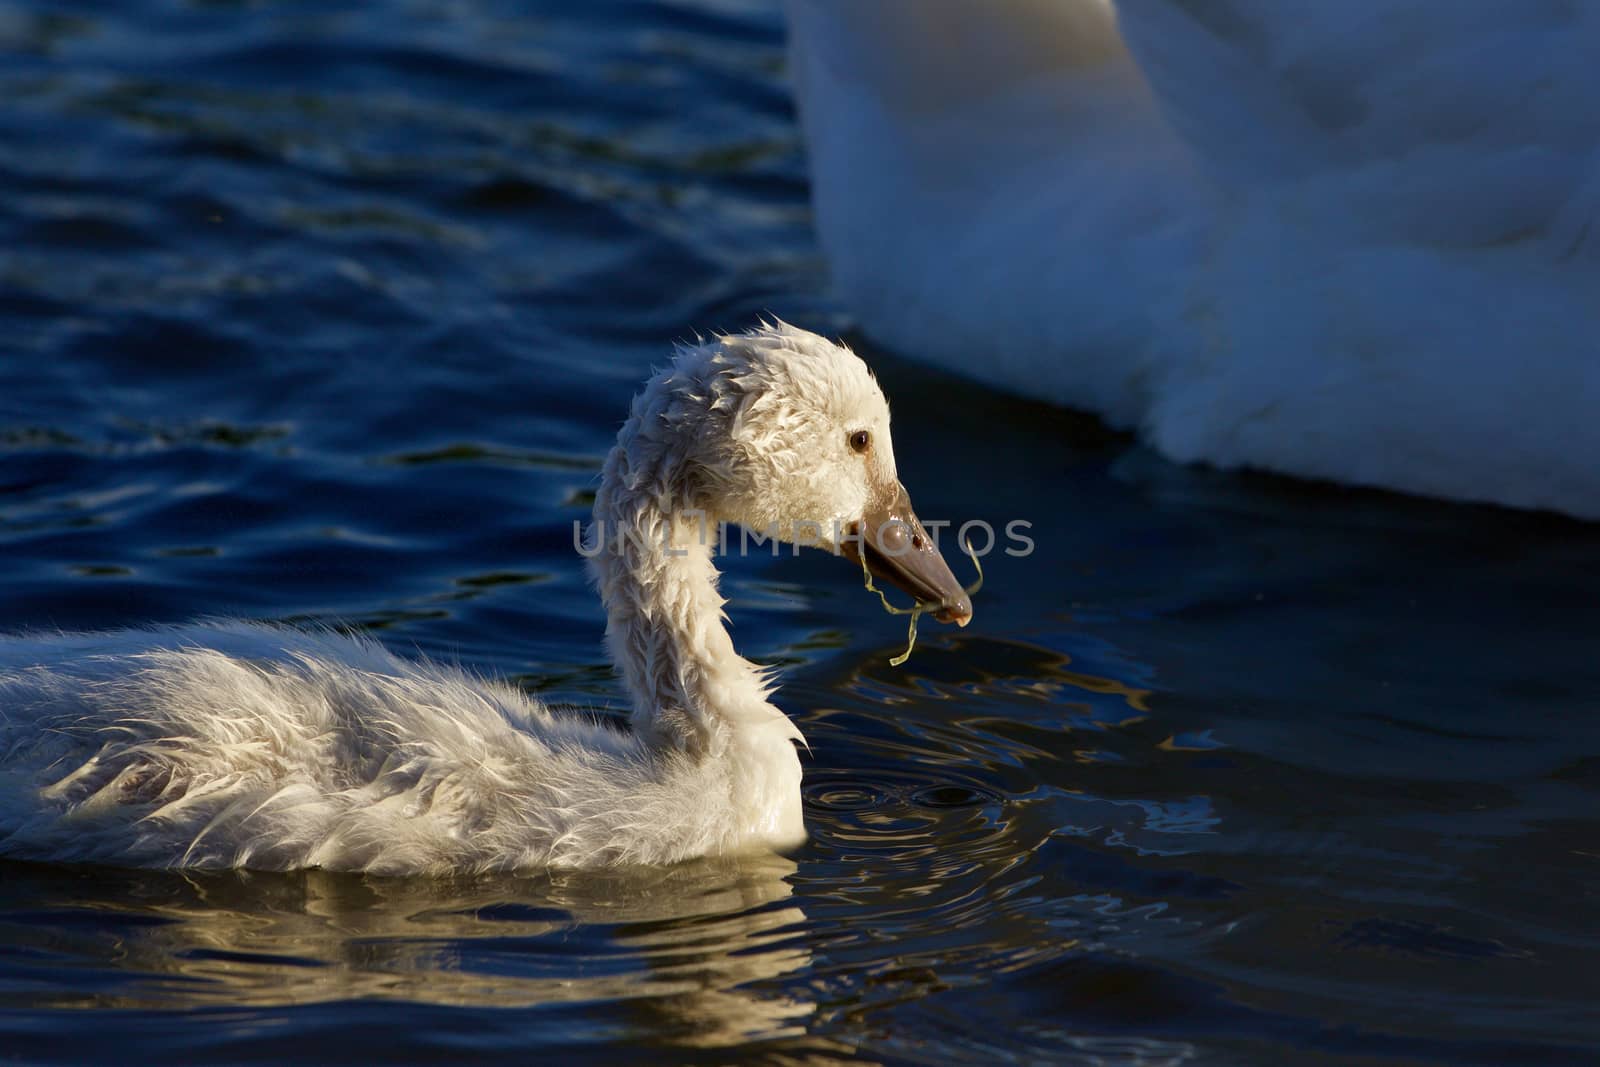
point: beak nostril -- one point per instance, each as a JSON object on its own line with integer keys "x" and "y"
{"x": 917, "y": 542}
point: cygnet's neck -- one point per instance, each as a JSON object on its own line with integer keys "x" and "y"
{"x": 664, "y": 626}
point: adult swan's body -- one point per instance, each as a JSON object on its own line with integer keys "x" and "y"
{"x": 239, "y": 745}
{"x": 1352, "y": 241}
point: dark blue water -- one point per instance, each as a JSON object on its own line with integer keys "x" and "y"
{"x": 326, "y": 313}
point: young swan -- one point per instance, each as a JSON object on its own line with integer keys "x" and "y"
{"x": 235, "y": 745}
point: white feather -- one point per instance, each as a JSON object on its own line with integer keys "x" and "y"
{"x": 1346, "y": 241}
{"x": 235, "y": 745}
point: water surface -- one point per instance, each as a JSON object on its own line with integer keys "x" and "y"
{"x": 327, "y": 313}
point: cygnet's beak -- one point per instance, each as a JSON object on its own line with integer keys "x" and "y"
{"x": 899, "y": 550}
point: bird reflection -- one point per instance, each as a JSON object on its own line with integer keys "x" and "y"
{"x": 691, "y": 951}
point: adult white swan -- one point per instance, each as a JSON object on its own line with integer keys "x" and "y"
{"x": 1346, "y": 241}
{"x": 237, "y": 745}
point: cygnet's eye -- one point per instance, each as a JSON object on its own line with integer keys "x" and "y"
{"x": 860, "y": 441}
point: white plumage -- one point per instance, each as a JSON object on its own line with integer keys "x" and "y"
{"x": 237, "y": 745}
{"x": 1345, "y": 241}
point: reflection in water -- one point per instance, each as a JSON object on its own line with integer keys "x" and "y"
{"x": 694, "y": 950}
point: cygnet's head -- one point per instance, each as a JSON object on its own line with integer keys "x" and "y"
{"x": 790, "y": 437}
